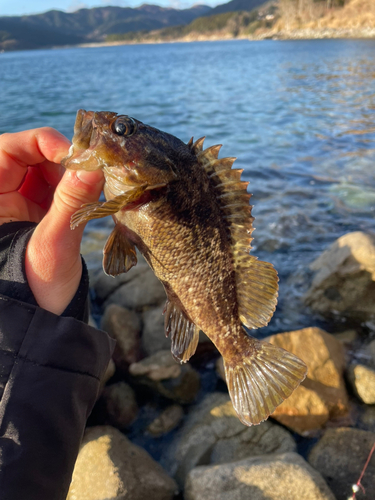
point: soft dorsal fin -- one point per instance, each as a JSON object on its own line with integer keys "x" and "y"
{"x": 182, "y": 331}
{"x": 256, "y": 281}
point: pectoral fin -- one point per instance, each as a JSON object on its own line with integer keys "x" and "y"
{"x": 98, "y": 209}
{"x": 183, "y": 332}
{"x": 119, "y": 253}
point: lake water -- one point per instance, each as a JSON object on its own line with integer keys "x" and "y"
{"x": 299, "y": 115}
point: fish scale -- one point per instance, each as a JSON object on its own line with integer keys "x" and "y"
{"x": 188, "y": 213}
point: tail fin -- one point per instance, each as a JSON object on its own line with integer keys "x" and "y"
{"x": 262, "y": 380}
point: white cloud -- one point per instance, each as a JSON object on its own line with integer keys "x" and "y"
{"x": 115, "y": 3}
{"x": 179, "y": 4}
{"x": 76, "y": 5}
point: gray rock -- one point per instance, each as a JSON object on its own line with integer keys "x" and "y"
{"x": 110, "y": 371}
{"x": 153, "y": 334}
{"x": 125, "y": 327}
{"x": 345, "y": 278}
{"x": 166, "y": 421}
{"x": 144, "y": 291}
{"x": 371, "y": 351}
{"x": 110, "y": 467}
{"x": 347, "y": 337}
{"x": 92, "y": 321}
{"x": 269, "y": 477}
{"x": 255, "y": 440}
{"x": 179, "y": 382}
{"x": 105, "y": 285}
{"x": 362, "y": 380}
{"x": 213, "y": 434}
{"x": 340, "y": 456}
{"x": 366, "y": 418}
{"x": 159, "y": 366}
{"x": 220, "y": 368}
{"x": 120, "y": 404}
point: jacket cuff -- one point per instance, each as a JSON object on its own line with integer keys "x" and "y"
{"x": 14, "y": 237}
{"x": 46, "y": 339}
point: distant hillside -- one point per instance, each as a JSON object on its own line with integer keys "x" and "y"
{"x": 254, "y": 19}
{"x": 228, "y": 25}
{"x": 281, "y": 19}
{"x": 236, "y": 5}
{"x": 55, "y": 27}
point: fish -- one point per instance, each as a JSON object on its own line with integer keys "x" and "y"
{"x": 187, "y": 211}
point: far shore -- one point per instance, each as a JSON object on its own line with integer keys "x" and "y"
{"x": 297, "y": 34}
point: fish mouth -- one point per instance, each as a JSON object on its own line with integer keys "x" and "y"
{"x": 85, "y": 139}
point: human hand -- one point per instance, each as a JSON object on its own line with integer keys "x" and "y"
{"x": 34, "y": 187}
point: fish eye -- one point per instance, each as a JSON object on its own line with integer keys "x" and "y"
{"x": 125, "y": 126}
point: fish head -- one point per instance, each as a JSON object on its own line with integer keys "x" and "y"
{"x": 126, "y": 149}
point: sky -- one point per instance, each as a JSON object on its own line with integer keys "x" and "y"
{"x": 20, "y": 7}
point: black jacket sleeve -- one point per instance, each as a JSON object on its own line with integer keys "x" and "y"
{"x": 50, "y": 370}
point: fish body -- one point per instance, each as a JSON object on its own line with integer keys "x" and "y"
{"x": 188, "y": 213}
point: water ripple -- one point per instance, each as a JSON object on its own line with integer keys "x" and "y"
{"x": 299, "y": 115}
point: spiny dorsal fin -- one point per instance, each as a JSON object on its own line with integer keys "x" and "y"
{"x": 198, "y": 145}
{"x": 212, "y": 150}
{"x": 183, "y": 332}
{"x": 256, "y": 281}
{"x": 190, "y": 143}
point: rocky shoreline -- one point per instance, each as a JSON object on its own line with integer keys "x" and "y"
{"x": 295, "y": 34}
{"x": 298, "y": 34}
{"x": 318, "y": 33}
{"x": 166, "y": 431}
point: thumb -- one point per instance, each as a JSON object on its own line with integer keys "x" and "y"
{"x": 53, "y": 262}
{"x": 74, "y": 189}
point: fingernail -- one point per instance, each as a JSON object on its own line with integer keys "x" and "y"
{"x": 90, "y": 178}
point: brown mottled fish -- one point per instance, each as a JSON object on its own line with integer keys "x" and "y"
{"x": 188, "y": 213}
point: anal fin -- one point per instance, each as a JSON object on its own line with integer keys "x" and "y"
{"x": 119, "y": 253}
{"x": 183, "y": 332}
{"x": 262, "y": 380}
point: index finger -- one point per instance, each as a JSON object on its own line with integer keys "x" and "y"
{"x": 23, "y": 149}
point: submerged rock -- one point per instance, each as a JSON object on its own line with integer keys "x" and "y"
{"x": 125, "y": 327}
{"x": 121, "y": 406}
{"x": 110, "y": 467}
{"x": 153, "y": 334}
{"x": 269, "y": 477}
{"x": 110, "y": 371}
{"x": 340, "y": 456}
{"x": 166, "y": 421}
{"x": 105, "y": 285}
{"x": 179, "y": 382}
{"x": 322, "y": 395}
{"x": 345, "y": 278}
{"x": 366, "y": 418}
{"x": 213, "y": 434}
{"x": 143, "y": 291}
{"x": 362, "y": 379}
{"x": 371, "y": 350}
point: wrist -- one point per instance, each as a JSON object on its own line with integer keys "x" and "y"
{"x": 53, "y": 280}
